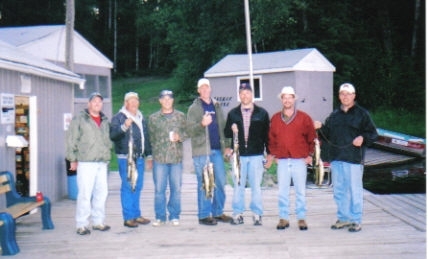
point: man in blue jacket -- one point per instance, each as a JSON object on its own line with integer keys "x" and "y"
{"x": 129, "y": 117}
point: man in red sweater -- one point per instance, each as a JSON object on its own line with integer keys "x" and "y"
{"x": 291, "y": 145}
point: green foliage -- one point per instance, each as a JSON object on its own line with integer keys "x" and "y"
{"x": 400, "y": 120}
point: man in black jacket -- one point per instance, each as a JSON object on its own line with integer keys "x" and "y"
{"x": 348, "y": 131}
{"x": 251, "y": 124}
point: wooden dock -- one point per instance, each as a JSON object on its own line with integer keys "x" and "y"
{"x": 393, "y": 227}
{"x": 377, "y": 158}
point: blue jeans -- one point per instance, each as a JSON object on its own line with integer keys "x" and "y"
{"x": 347, "y": 182}
{"x": 206, "y": 206}
{"x": 251, "y": 167}
{"x": 162, "y": 175}
{"x": 130, "y": 199}
{"x": 290, "y": 168}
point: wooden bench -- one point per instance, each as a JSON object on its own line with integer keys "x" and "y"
{"x": 17, "y": 206}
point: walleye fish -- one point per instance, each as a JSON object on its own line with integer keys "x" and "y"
{"x": 211, "y": 179}
{"x": 319, "y": 165}
{"x": 236, "y": 163}
{"x": 132, "y": 168}
{"x": 206, "y": 181}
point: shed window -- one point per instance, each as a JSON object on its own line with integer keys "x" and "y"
{"x": 256, "y": 88}
{"x": 94, "y": 83}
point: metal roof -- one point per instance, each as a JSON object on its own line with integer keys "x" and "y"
{"x": 48, "y": 42}
{"x": 309, "y": 59}
{"x": 15, "y": 59}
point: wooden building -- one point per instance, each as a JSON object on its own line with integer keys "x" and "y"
{"x": 307, "y": 70}
{"x": 36, "y": 99}
{"x": 48, "y": 43}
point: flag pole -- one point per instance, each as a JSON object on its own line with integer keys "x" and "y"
{"x": 248, "y": 32}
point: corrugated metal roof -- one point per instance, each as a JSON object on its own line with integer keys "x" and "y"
{"x": 309, "y": 59}
{"x": 16, "y": 59}
{"x": 48, "y": 42}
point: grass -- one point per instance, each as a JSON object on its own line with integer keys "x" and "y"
{"x": 148, "y": 89}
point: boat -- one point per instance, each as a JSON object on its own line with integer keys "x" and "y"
{"x": 400, "y": 143}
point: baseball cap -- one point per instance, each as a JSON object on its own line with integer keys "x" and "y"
{"x": 95, "y": 94}
{"x": 203, "y": 81}
{"x": 164, "y": 93}
{"x": 347, "y": 87}
{"x": 245, "y": 86}
{"x": 131, "y": 95}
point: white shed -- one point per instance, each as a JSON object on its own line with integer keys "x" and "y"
{"x": 307, "y": 70}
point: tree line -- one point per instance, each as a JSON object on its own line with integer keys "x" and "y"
{"x": 379, "y": 45}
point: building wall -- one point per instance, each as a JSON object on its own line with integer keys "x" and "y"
{"x": 81, "y": 102}
{"x": 314, "y": 90}
{"x": 54, "y": 99}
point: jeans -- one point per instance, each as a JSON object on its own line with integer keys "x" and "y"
{"x": 92, "y": 193}
{"x": 162, "y": 175}
{"x": 347, "y": 181}
{"x": 290, "y": 168}
{"x": 130, "y": 199}
{"x": 251, "y": 167}
{"x": 211, "y": 206}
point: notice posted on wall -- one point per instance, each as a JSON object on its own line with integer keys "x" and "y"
{"x": 7, "y": 102}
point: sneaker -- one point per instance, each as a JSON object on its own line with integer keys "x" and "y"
{"x": 83, "y": 231}
{"x": 175, "y": 222}
{"x": 223, "y": 218}
{"x": 158, "y": 223}
{"x": 210, "y": 221}
{"x": 257, "y": 219}
{"x": 237, "y": 220}
{"x": 282, "y": 224}
{"x": 355, "y": 227}
{"x": 141, "y": 220}
{"x": 340, "y": 224}
{"x": 130, "y": 223}
{"x": 302, "y": 224}
{"x": 101, "y": 227}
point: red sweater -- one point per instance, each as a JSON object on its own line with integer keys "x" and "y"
{"x": 292, "y": 139}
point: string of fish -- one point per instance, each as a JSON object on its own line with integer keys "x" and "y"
{"x": 208, "y": 181}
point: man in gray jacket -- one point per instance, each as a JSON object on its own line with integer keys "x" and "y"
{"x": 205, "y": 124}
{"x": 88, "y": 150}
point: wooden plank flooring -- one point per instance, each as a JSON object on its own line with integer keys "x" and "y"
{"x": 377, "y": 157}
{"x": 388, "y": 230}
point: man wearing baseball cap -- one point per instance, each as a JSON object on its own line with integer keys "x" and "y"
{"x": 89, "y": 151}
{"x": 248, "y": 124}
{"x": 167, "y": 131}
{"x": 205, "y": 124}
{"x": 348, "y": 131}
{"x": 128, "y": 125}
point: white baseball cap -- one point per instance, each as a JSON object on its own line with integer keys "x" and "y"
{"x": 347, "y": 87}
{"x": 203, "y": 81}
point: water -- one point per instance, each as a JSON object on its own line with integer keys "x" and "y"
{"x": 409, "y": 178}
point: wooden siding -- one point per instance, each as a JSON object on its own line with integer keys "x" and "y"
{"x": 54, "y": 98}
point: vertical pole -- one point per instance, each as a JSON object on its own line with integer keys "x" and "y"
{"x": 248, "y": 32}
{"x": 69, "y": 29}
